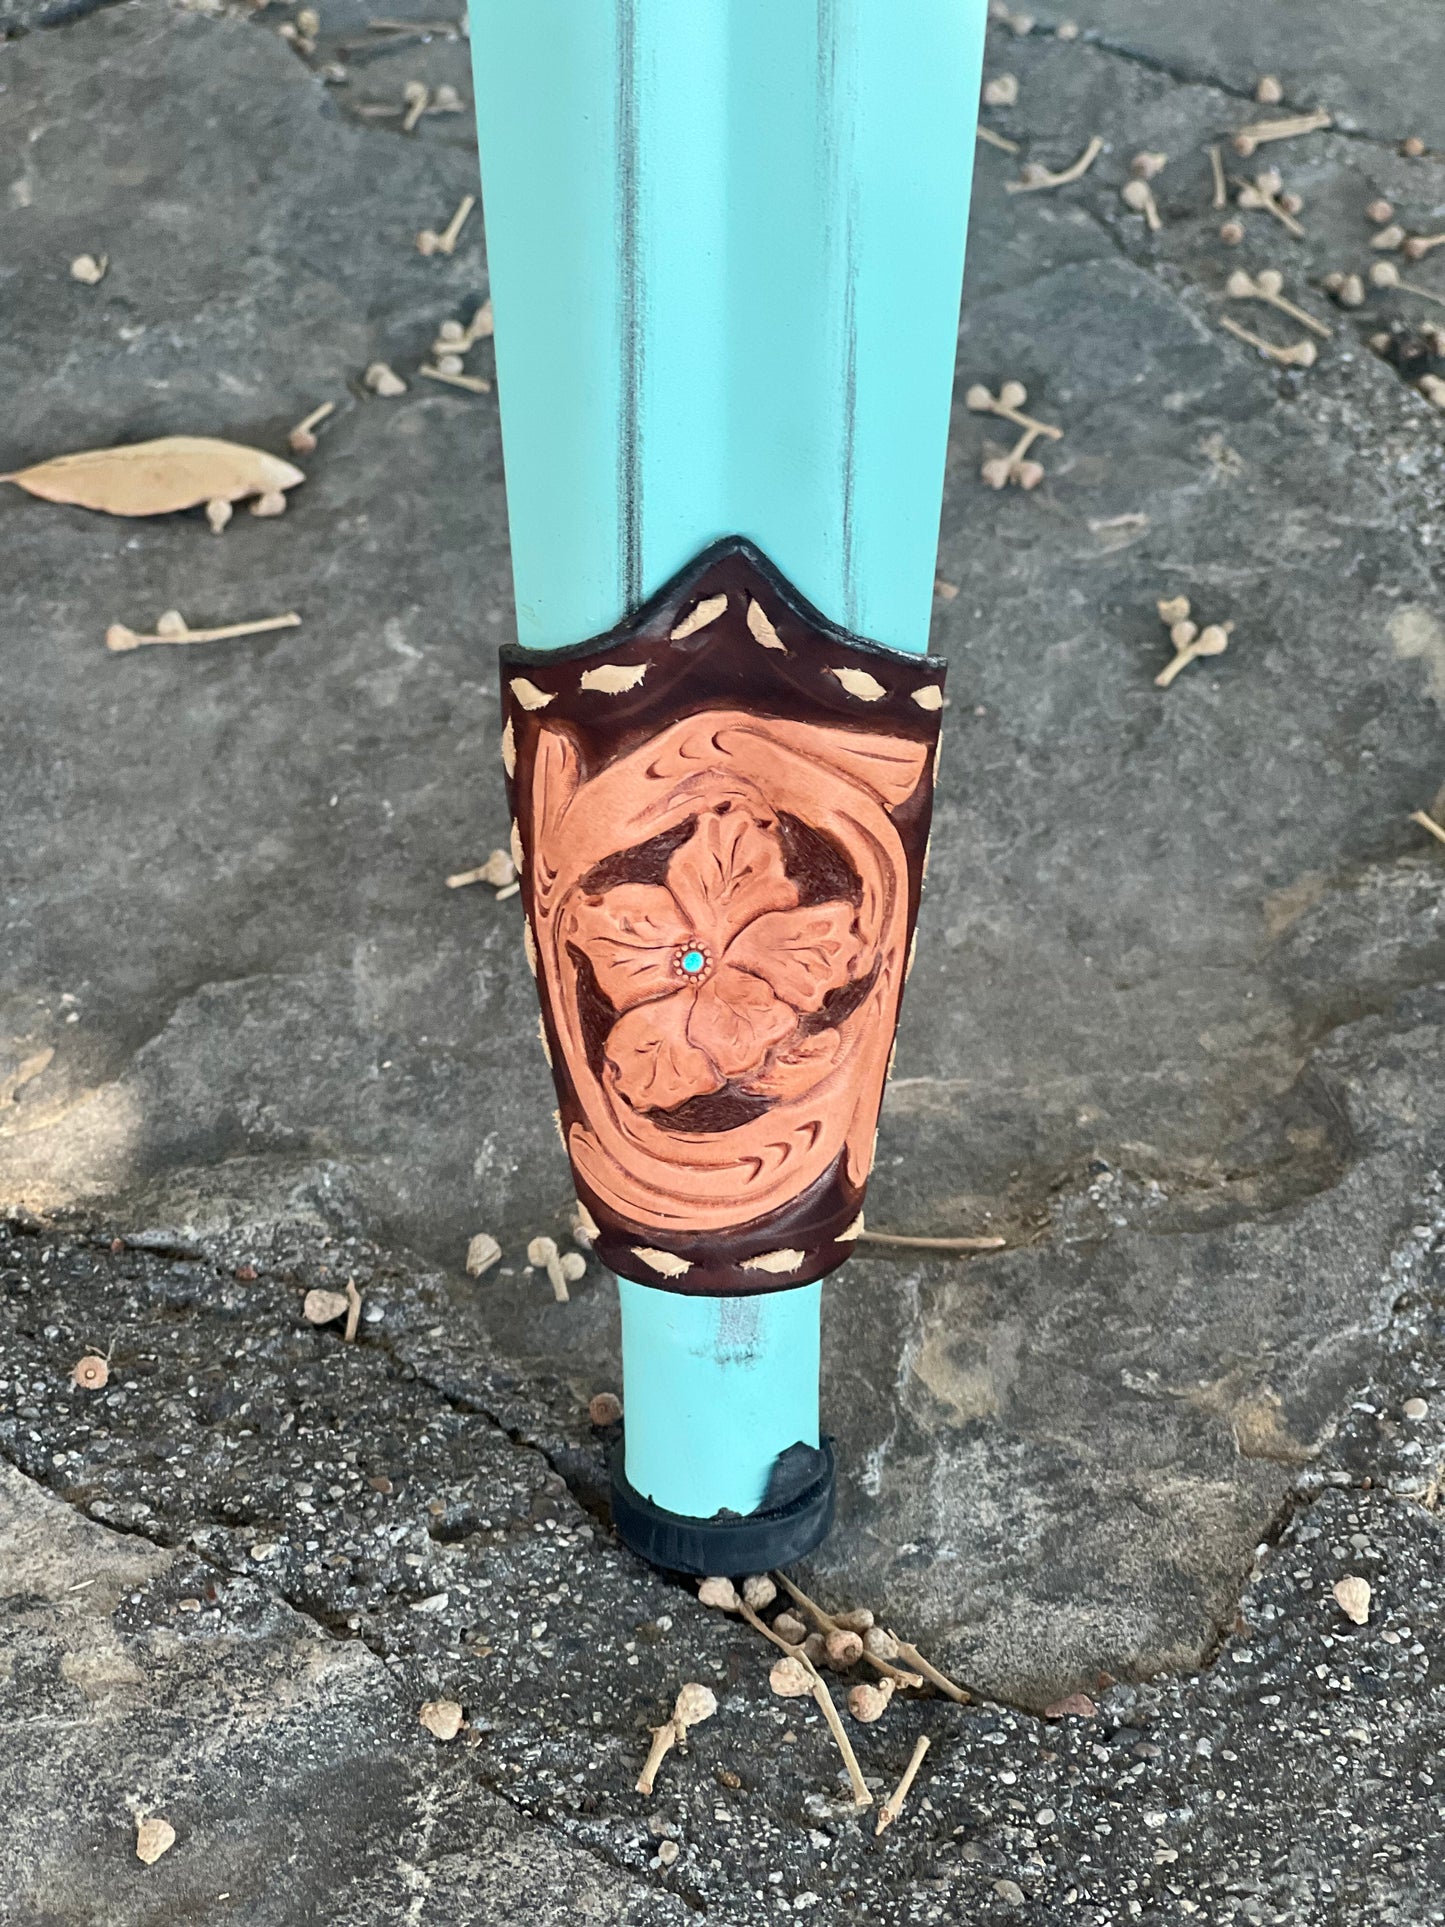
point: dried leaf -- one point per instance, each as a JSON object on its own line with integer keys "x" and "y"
{"x": 611, "y": 678}
{"x": 158, "y": 478}
{"x": 859, "y": 683}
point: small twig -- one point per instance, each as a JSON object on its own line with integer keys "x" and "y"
{"x": 1296, "y": 354}
{"x": 931, "y": 1673}
{"x": 430, "y": 242}
{"x": 1221, "y": 186}
{"x": 118, "y": 637}
{"x": 931, "y": 1244}
{"x": 1266, "y": 286}
{"x": 301, "y": 440}
{"x": 1035, "y": 176}
{"x": 416, "y": 94}
{"x": 1385, "y": 274}
{"x": 999, "y": 141}
{"x": 1428, "y": 822}
{"x": 353, "y": 1312}
{"x": 1263, "y": 193}
{"x": 893, "y": 1805}
{"x": 826, "y": 1623}
{"x": 474, "y": 384}
{"x": 664, "y": 1738}
{"x": 824, "y": 1699}
{"x": 1247, "y": 139}
{"x": 1008, "y": 404}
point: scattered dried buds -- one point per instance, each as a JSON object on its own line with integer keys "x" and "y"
{"x": 1347, "y": 289}
{"x": 382, "y": 380}
{"x": 1384, "y": 274}
{"x": 789, "y": 1627}
{"x": 543, "y": 1252}
{"x": 1001, "y": 91}
{"x": 790, "y": 1679}
{"x": 1412, "y": 147}
{"x": 759, "y": 1591}
{"x": 302, "y": 440}
{"x": 1007, "y": 404}
{"x": 91, "y": 1373}
{"x": 1267, "y": 91}
{"x": 1249, "y": 138}
{"x": 869, "y": 1703}
{"x": 499, "y": 870}
{"x": 694, "y": 1704}
{"x": 1266, "y": 192}
{"x": 1139, "y": 196}
{"x": 430, "y": 242}
{"x": 89, "y": 268}
{"x": 604, "y": 1409}
{"x": 1389, "y": 238}
{"x": 1231, "y": 233}
{"x": 843, "y": 1648}
{"x": 720, "y": 1593}
{"x": 1295, "y": 354}
{"x": 1379, "y": 212}
{"x": 1034, "y": 175}
{"x": 1189, "y": 640}
{"x": 1417, "y": 246}
{"x": 171, "y": 627}
{"x": 1267, "y": 286}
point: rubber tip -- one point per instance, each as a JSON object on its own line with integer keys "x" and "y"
{"x": 795, "y": 1517}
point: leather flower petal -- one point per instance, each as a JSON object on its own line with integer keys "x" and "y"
{"x": 802, "y": 954}
{"x": 736, "y": 1019}
{"x": 630, "y": 935}
{"x": 652, "y": 1063}
{"x": 728, "y": 872}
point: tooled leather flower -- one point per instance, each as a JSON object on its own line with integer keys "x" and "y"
{"x": 711, "y": 970}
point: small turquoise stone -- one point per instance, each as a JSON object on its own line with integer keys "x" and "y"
{"x": 693, "y": 961}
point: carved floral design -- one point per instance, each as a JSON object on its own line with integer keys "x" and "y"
{"x": 710, "y": 971}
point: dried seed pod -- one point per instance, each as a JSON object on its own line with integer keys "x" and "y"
{"x": 720, "y": 1593}
{"x": 814, "y": 1649}
{"x": 844, "y": 1649}
{"x": 87, "y": 269}
{"x": 1147, "y": 166}
{"x": 1432, "y": 387}
{"x": 541, "y": 1251}
{"x": 603, "y": 1409}
{"x": 1270, "y": 181}
{"x": 382, "y": 380}
{"x": 482, "y": 1253}
{"x": 1001, "y": 91}
{"x": 1231, "y": 233}
{"x": 869, "y": 1703}
{"x": 1379, "y": 212}
{"x": 1412, "y": 147}
{"x": 979, "y": 399}
{"x": 881, "y": 1643}
{"x": 1067, "y": 30}
{"x": 1352, "y": 1596}
{"x": 1173, "y": 609}
{"x": 1013, "y": 394}
{"x": 1028, "y": 474}
{"x": 1139, "y": 196}
{"x": 788, "y": 1626}
{"x": 694, "y": 1704}
{"x": 856, "y": 1621}
{"x": 1419, "y": 245}
{"x": 1384, "y": 274}
{"x": 759, "y": 1591}
{"x": 1389, "y": 238}
{"x": 218, "y": 514}
{"x": 790, "y": 1679}
{"x": 441, "y": 1718}
{"x": 91, "y": 1373}
{"x": 1347, "y": 289}
{"x": 997, "y": 471}
{"x": 1267, "y": 91}
{"x": 574, "y": 1266}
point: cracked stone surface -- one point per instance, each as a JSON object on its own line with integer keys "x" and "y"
{"x": 1175, "y": 1029}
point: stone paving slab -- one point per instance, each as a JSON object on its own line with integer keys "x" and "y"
{"x": 1183, "y": 944}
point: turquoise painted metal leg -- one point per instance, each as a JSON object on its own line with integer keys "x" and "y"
{"x": 716, "y": 1389}
{"x": 725, "y": 241}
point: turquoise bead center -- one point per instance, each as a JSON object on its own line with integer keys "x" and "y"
{"x": 693, "y": 961}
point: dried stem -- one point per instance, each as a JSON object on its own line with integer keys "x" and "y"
{"x": 1221, "y": 187}
{"x": 1000, "y": 141}
{"x": 1248, "y": 138}
{"x": 1298, "y": 354}
{"x": 1427, "y": 822}
{"x": 353, "y": 1312}
{"x": 118, "y": 637}
{"x": 861, "y": 1796}
{"x": 931, "y": 1673}
{"x": 664, "y": 1738}
{"x": 1043, "y": 178}
{"x": 893, "y": 1805}
{"x": 931, "y": 1244}
{"x": 474, "y": 384}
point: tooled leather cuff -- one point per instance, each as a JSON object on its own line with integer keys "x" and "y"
{"x": 720, "y": 815}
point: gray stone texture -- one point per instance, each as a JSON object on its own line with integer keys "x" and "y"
{"x": 1175, "y": 1029}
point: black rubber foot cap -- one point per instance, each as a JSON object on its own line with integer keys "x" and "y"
{"x": 796, "y": 1515}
